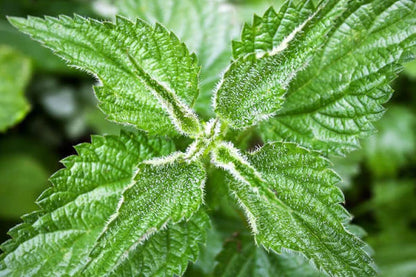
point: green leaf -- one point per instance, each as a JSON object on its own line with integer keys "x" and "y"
{"x": 168, "y": 251}
{"x": 206, "y": 26}
{"x": 246, "y": 8}
{"x": 271, "y": 30}
{"x": 15, "y": 72}
{"x": 251, "y": 90}
{"x": 148, "y": 77}
{"x": 241, "y": 257}
{"x": 333, "y": 101}
{"x": 163, "y": 190}
{"x": 254, "y": 87}
{"x": 58, "y": 238}
{"x": 291, "y": 201}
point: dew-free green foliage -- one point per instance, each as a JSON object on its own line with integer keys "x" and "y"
{"x": 15, "y": 72}
{"x": 258, "y": 80}
{"x": 313, "y": 76}
{"x": 332, "y": 102}
{"x": 168, "y": 251}
{"x": 75, "y": 211}
{"x": 145, "y": 200}
{"x": 125, "y": 61}
{"x": 206, "y": 26}
{"x": 278, "y": 172}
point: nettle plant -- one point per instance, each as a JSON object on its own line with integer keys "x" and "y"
{"x": 308, "y": 79}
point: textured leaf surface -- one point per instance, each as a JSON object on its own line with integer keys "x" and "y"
{"x": 15, "y": 71}
{"x": 162, "y": 191}
{"x": 241, "y": 257}
{"x": 331, "y": 103}
{"x": 56, "y": 240}
{"x": 254, "y": 86}
{"x": 149, "y": 79}
{"x": 291, "y": 200}
{"x": 207, "y": 26}
{"x": 168, "y": 251}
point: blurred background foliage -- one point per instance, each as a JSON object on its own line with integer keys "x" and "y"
{"x": 46, "y": 108}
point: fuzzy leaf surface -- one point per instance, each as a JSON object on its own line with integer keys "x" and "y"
{"x": 149, "y": 78}
{"x": 254, "y": 87}
{"x": 162, "y": 191}
{"x": 58, "y": 238}
{"x": 241, "y": 257}
{"x": 168, "y": 251}
{"x": 291, "y": 200}
{"x": 15, "y": 72}
{"x": 206, "y": 26}
{"x": 333, "y": 101}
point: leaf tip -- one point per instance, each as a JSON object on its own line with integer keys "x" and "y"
{"x": 17, "y": 22}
